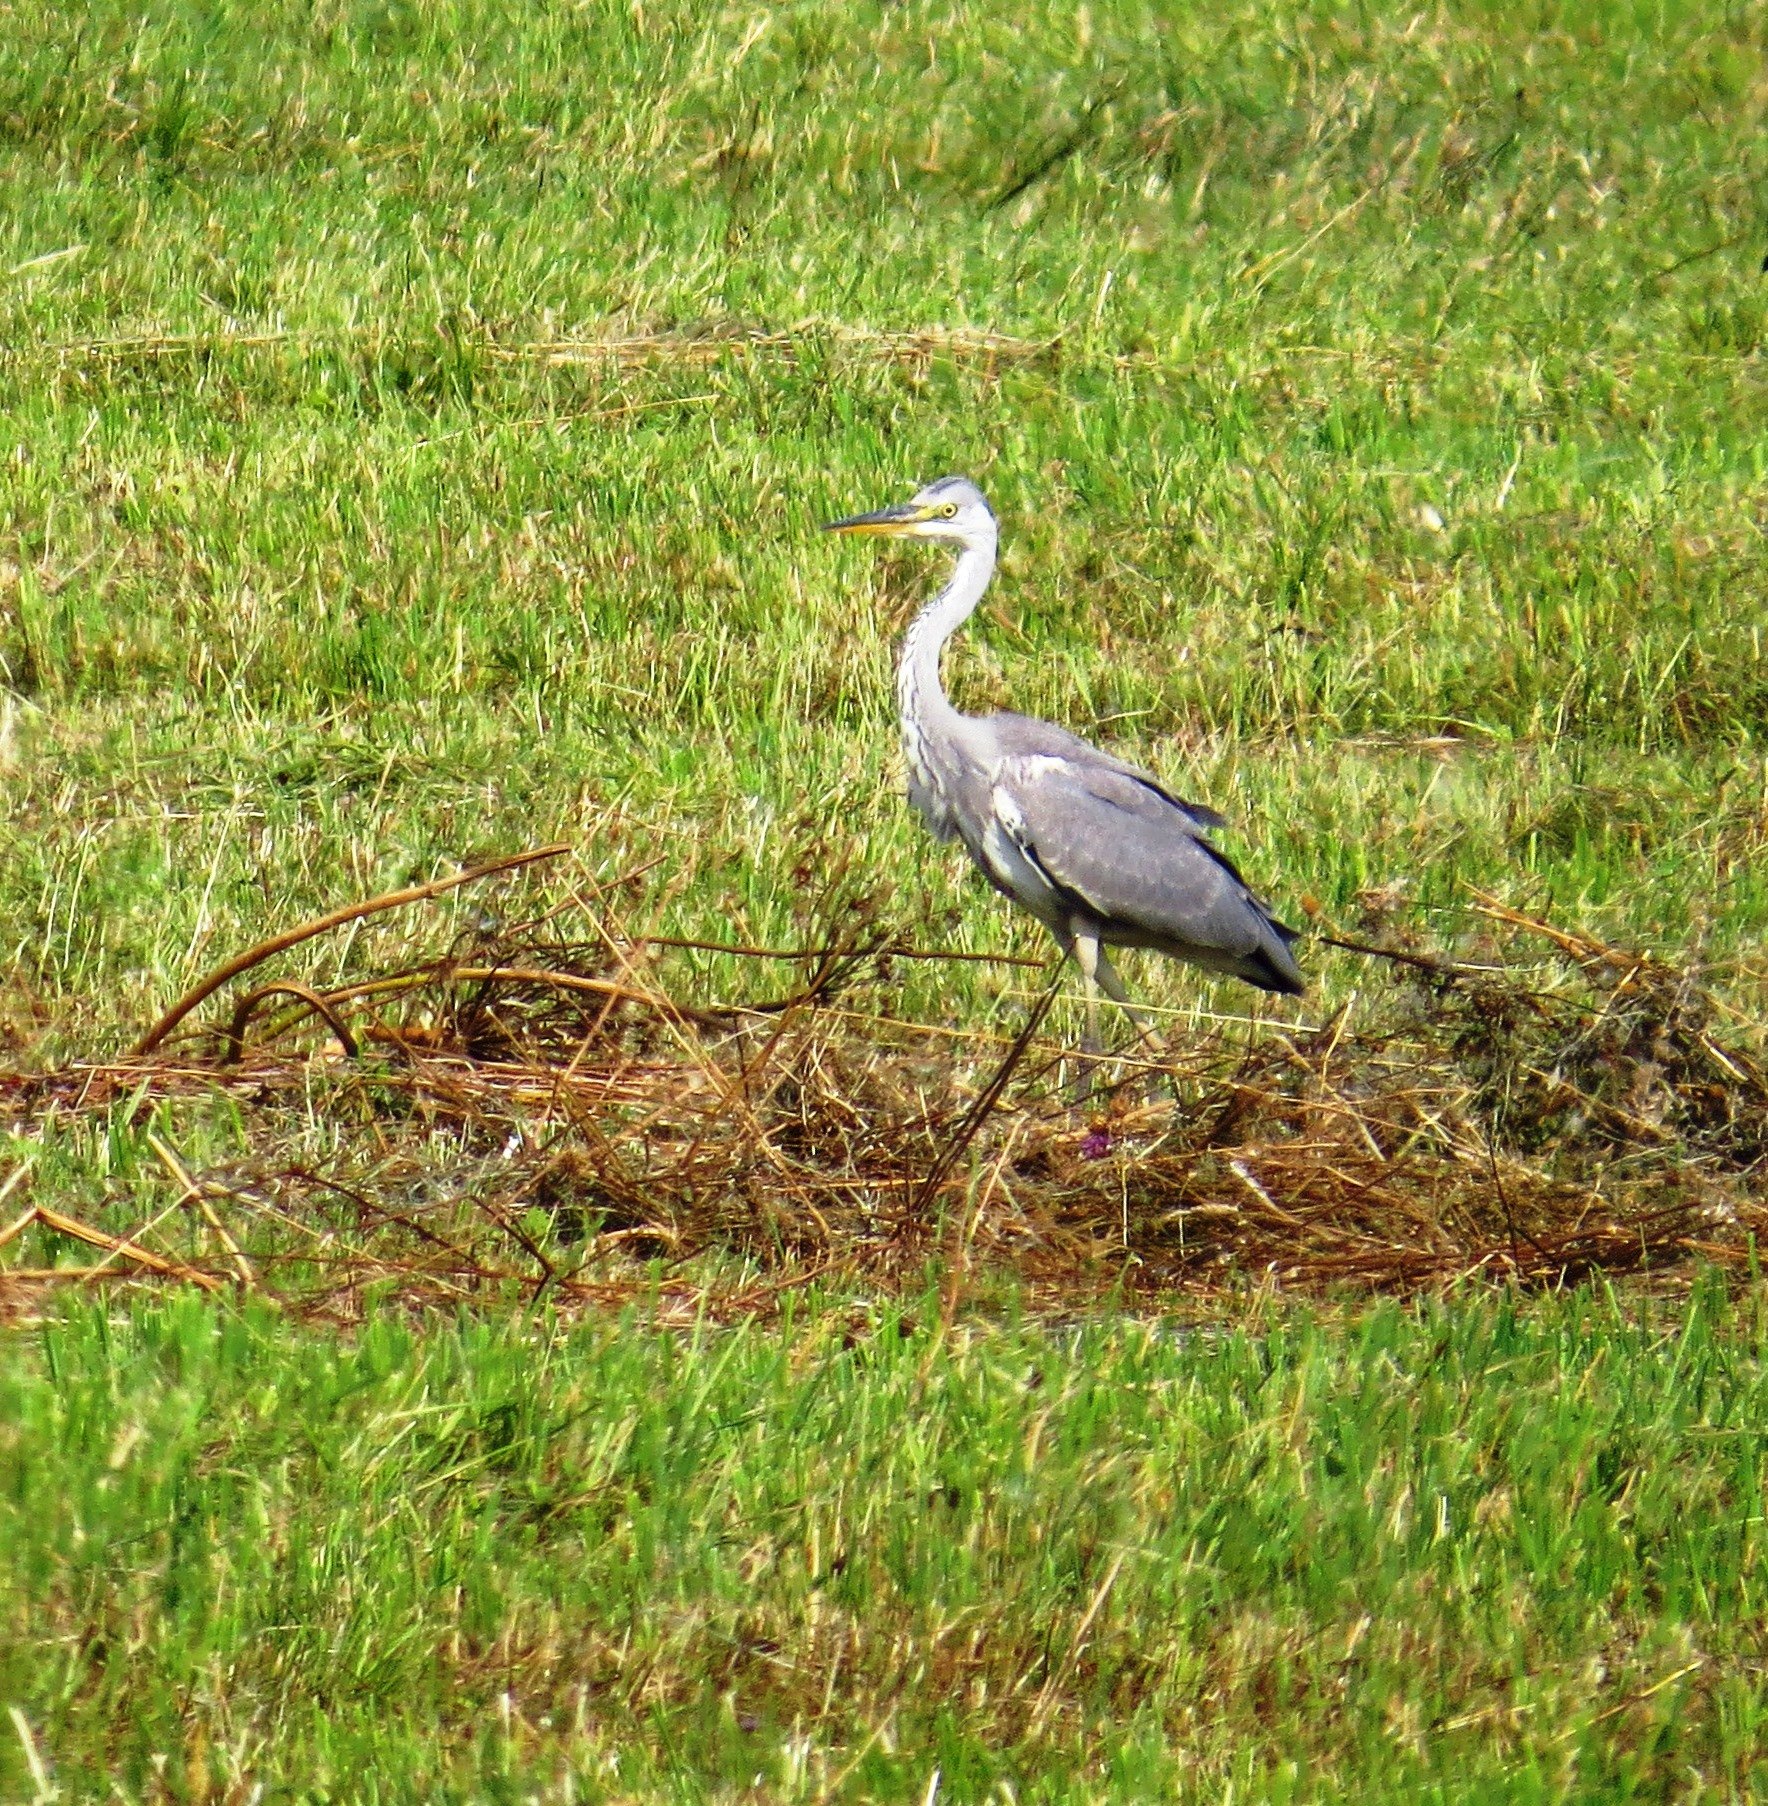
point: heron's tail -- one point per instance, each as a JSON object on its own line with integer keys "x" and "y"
{"x": 1272, "y": 967}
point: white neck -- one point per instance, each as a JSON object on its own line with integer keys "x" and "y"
{"x": 919, "y": 694}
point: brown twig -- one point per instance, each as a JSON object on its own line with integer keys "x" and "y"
{"x": 234, "y": 1041}
{"x": 991, "y": 1094}
{"x": 1423, "y": 962}
{"x": 889, "y": 951}
{"x": 122, "y": 1249}
{"x": 8, "y": 1186}
{"x": 292, "y": 937}
{"x": 577, "y": 981}
{"x": 1583, "y": 948}
{"x": 193, "y": 1194}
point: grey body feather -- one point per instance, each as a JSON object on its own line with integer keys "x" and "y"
{"x": 1098, "y": 850}
{"x": 1090, "y": 844}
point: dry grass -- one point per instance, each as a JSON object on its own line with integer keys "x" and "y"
{"x": 540, "y": 1110}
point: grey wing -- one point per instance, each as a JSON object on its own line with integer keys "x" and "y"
{"x": 1128, "y": 860}
{"x": 1024, "y": 736}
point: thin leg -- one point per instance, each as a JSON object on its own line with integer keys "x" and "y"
{"x": 1090, "y": 957}
{"x": 1118, "y": 992}
{"x": 1114, "y": 988}
{"x": 1087, "y": 955}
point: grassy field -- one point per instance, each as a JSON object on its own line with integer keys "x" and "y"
{"x": 420, "y": 417}
{"x": 416, "y": 424}
{"x": 1445, "y": 1554}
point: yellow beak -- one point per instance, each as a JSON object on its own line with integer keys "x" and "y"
{"x": 895, "y": 519}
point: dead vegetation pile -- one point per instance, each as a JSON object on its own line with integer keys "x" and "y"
{"x": 532, "y": 1112}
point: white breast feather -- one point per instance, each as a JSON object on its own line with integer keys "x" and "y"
{"x": 924, "y": 790}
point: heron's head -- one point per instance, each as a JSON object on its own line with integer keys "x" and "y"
{"x": 951, "y": 509}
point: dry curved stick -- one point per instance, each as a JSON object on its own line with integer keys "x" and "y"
{"x": 1423, "y": 962}
{"x": 576, "y": 981}
{"x": 234, "y": 1043}
{"x": 120, "y": 1247}
{"x": 192, "y": 1193}
{"x": 278, "y": 943}
{"x": 888, "y": 951}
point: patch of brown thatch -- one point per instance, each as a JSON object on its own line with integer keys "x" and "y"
{"x": 543, "y": 1115}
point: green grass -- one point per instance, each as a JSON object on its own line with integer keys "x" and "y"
{"x": 1461, "y": 1552}
{"x": 414, "y": 425}
{"x": 319, "y": 570}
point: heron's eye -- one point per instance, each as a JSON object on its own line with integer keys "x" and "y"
{"x": 950, "y": 510}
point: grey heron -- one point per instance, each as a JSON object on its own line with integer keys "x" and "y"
{"x": 1101, "y": 852}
